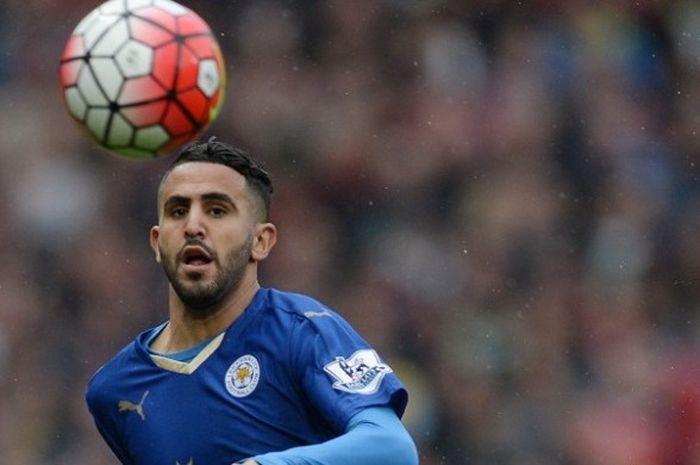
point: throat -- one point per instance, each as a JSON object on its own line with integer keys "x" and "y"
{"x": 176, "y": 343}
{"x": 184, "y": 355}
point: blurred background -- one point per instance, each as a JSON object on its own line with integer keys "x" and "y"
{"x": 501, "y": 196}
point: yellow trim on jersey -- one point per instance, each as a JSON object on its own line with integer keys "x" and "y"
{"x": 187, "y": 368}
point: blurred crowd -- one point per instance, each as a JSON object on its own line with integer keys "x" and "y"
{"x": 501, "y": 196}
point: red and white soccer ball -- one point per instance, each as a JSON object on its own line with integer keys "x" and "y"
{"x": 142, "y": 76}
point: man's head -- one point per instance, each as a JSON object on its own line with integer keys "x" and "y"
{"x": 212, "y": 228}
{"x": 213, "y": 151}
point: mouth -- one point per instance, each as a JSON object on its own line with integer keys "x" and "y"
{"x": 195, "y": 258}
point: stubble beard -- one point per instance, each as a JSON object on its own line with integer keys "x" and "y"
{"x": 202, "y": 298}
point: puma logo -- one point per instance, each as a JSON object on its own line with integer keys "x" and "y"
{"x": 313, "y": 314}
{"x": 125, "y": 406}
{"x": 191, "y": 462}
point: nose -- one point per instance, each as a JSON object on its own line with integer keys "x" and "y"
{"x": 194, "y": 226}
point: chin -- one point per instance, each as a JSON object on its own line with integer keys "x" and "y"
{"x": 200, "y": 304}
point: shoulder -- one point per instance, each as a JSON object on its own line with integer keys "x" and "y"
{"x": 114, "y": 365}
{"x": 302, "y": 317}
{"x": 308, "y": 318}
{"x": 299, "y": 306}
{"x": 114, "y": 372}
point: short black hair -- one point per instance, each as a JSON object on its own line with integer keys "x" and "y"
{"x": 215, "y": 151}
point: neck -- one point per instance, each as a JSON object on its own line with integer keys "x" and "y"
{"x": 187, "y": 328}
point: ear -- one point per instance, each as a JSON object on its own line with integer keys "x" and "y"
{"x": 263, "y": 241}
{"x": 154, "y": 238}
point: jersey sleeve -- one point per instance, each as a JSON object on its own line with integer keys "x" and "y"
{"x": 340, "y": 374}
{"x": 375, "y": 435}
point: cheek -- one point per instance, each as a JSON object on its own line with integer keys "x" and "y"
{"x": 235, "y": 242}
{"x": 166, "y": 246}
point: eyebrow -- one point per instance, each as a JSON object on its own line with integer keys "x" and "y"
{"x": 218, "y": 196}
{"x": 175, "y": 200}
{"x": 208, "y": 197}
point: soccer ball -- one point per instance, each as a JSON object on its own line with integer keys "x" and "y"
{"x": 142, "y": 76}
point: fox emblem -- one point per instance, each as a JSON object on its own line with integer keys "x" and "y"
{"x": 126, "y": 406}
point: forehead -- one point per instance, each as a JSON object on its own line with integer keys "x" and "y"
{"x": 192, "y": 179}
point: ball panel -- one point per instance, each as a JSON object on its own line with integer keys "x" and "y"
{"x": 165, "y": 64}
{"x": 74, "y": 48}
{"x": 108, "y": 76}
{"x": 208, "y": 77}
{"x": 141, "y": 89}
{"x": 148, "y": 33}
{"x": 76, "y": 104}
{"x": 70, "y": 71}
{"x": 113, "y": 38}
{"x": 160, "y": 17}
{"x": 120, "y": 132}
{"x": 221, "y": 68}
{"x": 197, "y": 105}
{"x": 176, "y": 121}
{"x": 215, "y": 104}
{"x": 147, "y": 114}
{"x": 151, "y": 138}
{"x": 192, "y": 24}
{"x": 113, "y": 7}
{"x": 189, "y": 69}
{"x": 201, "y": 46}
{"x": 96, "y": 121}
{"x": 134, "y": 59}
{"x": 134, "y": 5}
{"x": 89, "y": 89}
{"x": 98, "y": 27}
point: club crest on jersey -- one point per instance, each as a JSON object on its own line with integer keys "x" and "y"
{"x": 242, "y": 376}
{"x": 362, "y": 373}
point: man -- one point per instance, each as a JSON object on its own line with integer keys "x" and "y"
{"x": 240, "y": 373}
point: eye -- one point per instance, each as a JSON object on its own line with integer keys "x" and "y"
{"x": 217, "y": 212}
{"x": 177, "y": 212}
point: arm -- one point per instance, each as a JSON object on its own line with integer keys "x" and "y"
{"x": 375, "y": 435}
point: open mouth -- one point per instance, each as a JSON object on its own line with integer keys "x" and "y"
{"x": 195, "y": 256}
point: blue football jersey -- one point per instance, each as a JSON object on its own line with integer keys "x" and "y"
{"x": 288, "y": 372}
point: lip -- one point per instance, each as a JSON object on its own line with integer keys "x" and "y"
{"x": 195, "y": 258}
{"x": 195, "y": 268}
